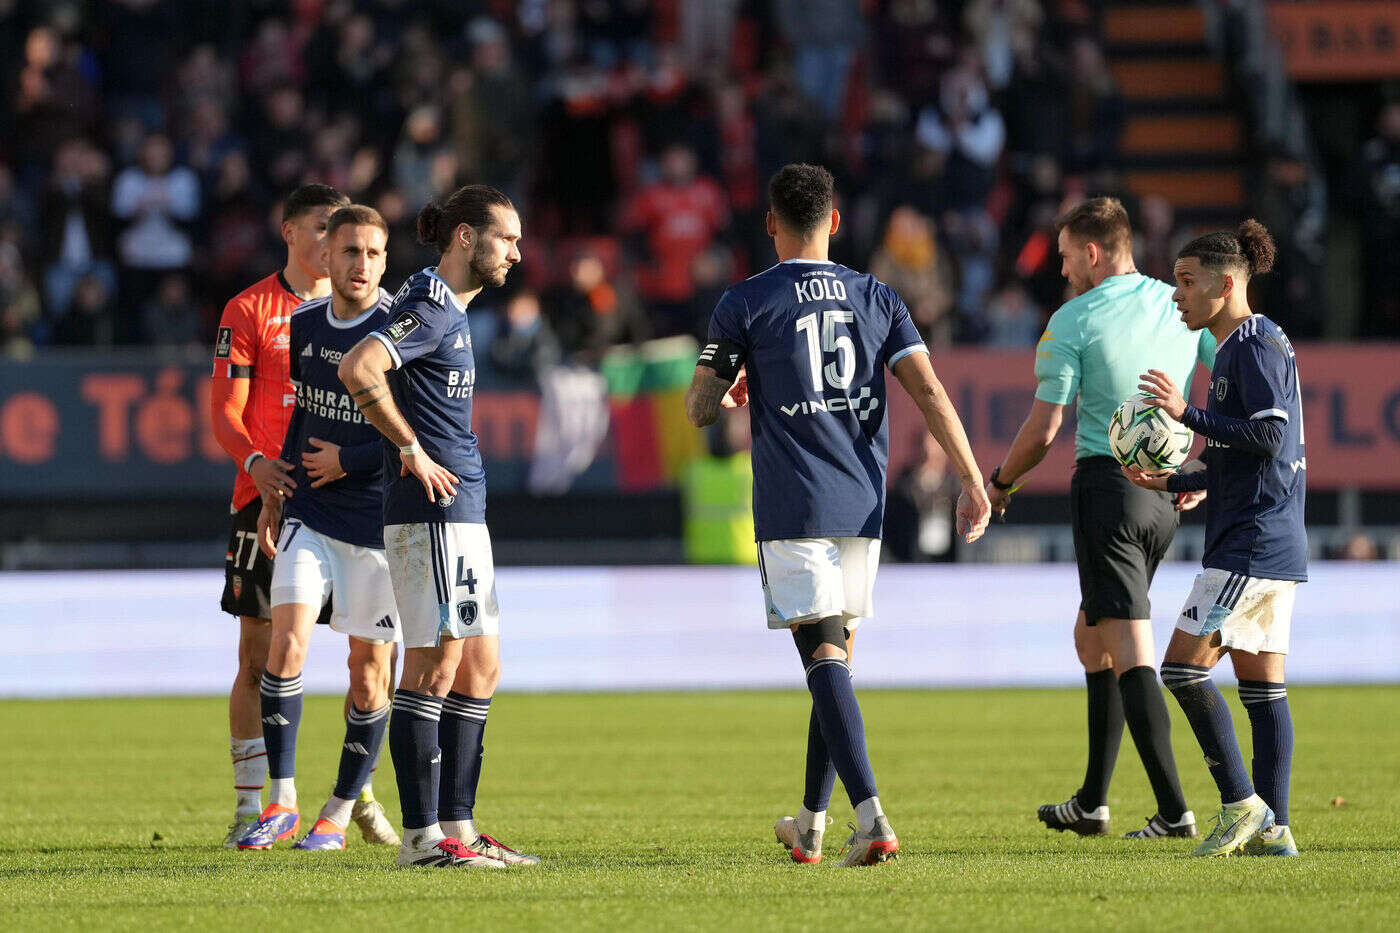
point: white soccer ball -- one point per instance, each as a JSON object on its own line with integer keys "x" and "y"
{"x": 1142, "y": 435}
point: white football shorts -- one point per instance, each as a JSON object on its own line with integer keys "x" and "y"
{"x": 311, "y": 567}
{"x": 805, "y": 579}
{"x": 1251, "y": 614}
{"x": 444, "y": 581}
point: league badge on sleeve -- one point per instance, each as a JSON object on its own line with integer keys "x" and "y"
{"x": 405, "y": 325}
{"x": 223, "y": 345}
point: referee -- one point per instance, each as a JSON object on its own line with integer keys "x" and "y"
{"x": 1119, "y": 324}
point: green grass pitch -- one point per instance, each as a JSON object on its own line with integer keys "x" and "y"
{"x": 654, "y": 811}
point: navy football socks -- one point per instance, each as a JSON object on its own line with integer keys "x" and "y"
{"x": 1272, "y": 725}
{"x": 834, "y": 702}
{"x": 364, "y": 735}
{"x": 281, "y": 717}
{"x": 460, "y": 734}
{"x": 413, "y": 744}
{"x": 1105, "y": 709}
{"x": 1205, "y": 709}
{"x": 821, "y": 773}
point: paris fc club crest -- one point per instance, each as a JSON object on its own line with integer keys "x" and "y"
{"x": 237, "y": 582}
{"x": 466, "y": 612}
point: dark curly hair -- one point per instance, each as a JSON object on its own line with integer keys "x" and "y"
{"x": 1250, "y": 249}
{"x": 802, "y": 195}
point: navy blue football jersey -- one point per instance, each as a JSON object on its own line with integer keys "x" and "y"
{"x": 349, "y": 508}
{"x": 816, "y": 338}
{"x": 433, "y": 381}
{"x": 1254, "y": 506}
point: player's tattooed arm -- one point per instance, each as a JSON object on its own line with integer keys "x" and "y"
{"x": 362, "y": 371}
{"x": 705, "y": 397}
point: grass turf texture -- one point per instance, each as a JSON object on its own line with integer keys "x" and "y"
{"x": 654, "y": 811}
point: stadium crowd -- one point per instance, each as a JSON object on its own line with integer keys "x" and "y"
{"x": 144, "y": 145}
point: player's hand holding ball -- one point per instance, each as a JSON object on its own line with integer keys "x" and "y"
{"x": 272, "y": 477}
{"x": 437, "y": 480}
{"x": 1162, "y": 393}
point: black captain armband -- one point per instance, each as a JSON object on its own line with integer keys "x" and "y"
{"x": 725, "y": 357}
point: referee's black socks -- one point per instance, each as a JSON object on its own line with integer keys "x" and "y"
{"x": 1146, "y": 713}
{"x": 1105, "y": 733}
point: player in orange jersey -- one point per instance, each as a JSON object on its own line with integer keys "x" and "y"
{"x": 250, "y": 404}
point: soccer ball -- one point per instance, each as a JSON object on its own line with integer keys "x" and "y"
{"x": 1142, "y": 435}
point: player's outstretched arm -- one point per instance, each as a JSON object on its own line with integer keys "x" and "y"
{"x": 364, "y": 371}
{"x": 915, "y": 374}
{"x": 706, "y": 396}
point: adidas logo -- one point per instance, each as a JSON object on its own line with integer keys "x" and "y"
{"x": 307, "y": 351}
{"x": 357, "y": 748}
{"x": 1190, "y": 613}
{"x": 436, "y": 758}
{"x": 276, "y": 719}
{"x": 458, "y": 345}
{"x": 385, "y": 622}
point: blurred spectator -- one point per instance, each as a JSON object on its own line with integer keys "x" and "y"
{"x": 56, "y": 101}
{"x": 279, "y": 139}
{"x": 19, "y": 299}
{"x": 1293, "y": 205}
{"x": 416, "y": 154}
{"x": 171, "y": 317}
{"x": 156, "y": 199}
{"x": 678, "y": 217}
{"x": 591, "y": 312}
{"x": 76, "y": 232}
{"x": 1012, "y": 319}
{"x": 237, "y": 232}
{"x": 89, "y": 321}
{"x": 1156, "y": 241}
{"x": 712, "y": 271}
{"x": 1376, "y": 195}
{"x": 1360, "y": 547}
{"x": 919, "y": 518}
{"x": 823, "y": 35}
{"x": 908, "y": 261}
{"x": 1096, "y": 109}
{"x": 915, "y": 44}
{"x": 525, "y": 347}
{"x": 493, "y": 113}
{"x": 1001, "y": 30}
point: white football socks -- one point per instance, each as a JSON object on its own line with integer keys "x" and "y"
{"x": 423, "y": 838}
{"x": 866, "y": 812}
{"x": 338, "y": 811}
{"x": 283, "y": 792}
{"x": 807, "y": 821}
{"x": 249, "y": 773}
{"x": 464, "y": 830}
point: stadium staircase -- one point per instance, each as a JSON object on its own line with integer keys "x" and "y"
{"x": 1185, "y": 137}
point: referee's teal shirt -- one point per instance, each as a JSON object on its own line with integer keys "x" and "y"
{"x": 1098, "y": 344}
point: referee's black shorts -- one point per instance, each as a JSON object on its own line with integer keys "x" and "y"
{"x": 1121, "y": 533}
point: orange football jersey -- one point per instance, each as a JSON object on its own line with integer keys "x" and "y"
{"x": 254, "y": 334}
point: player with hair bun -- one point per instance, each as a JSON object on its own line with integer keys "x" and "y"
{"x": 1256, "y": 550}
{"x": 414, "y": 380}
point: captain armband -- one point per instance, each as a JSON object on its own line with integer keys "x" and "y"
{"x": 725, "y": 357}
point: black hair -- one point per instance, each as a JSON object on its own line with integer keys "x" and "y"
{"x": 309, "y": 197}
{"x": 1250, "y": 249}
{"x": 471, "y": 205}
{"x": 802, "y": 196}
